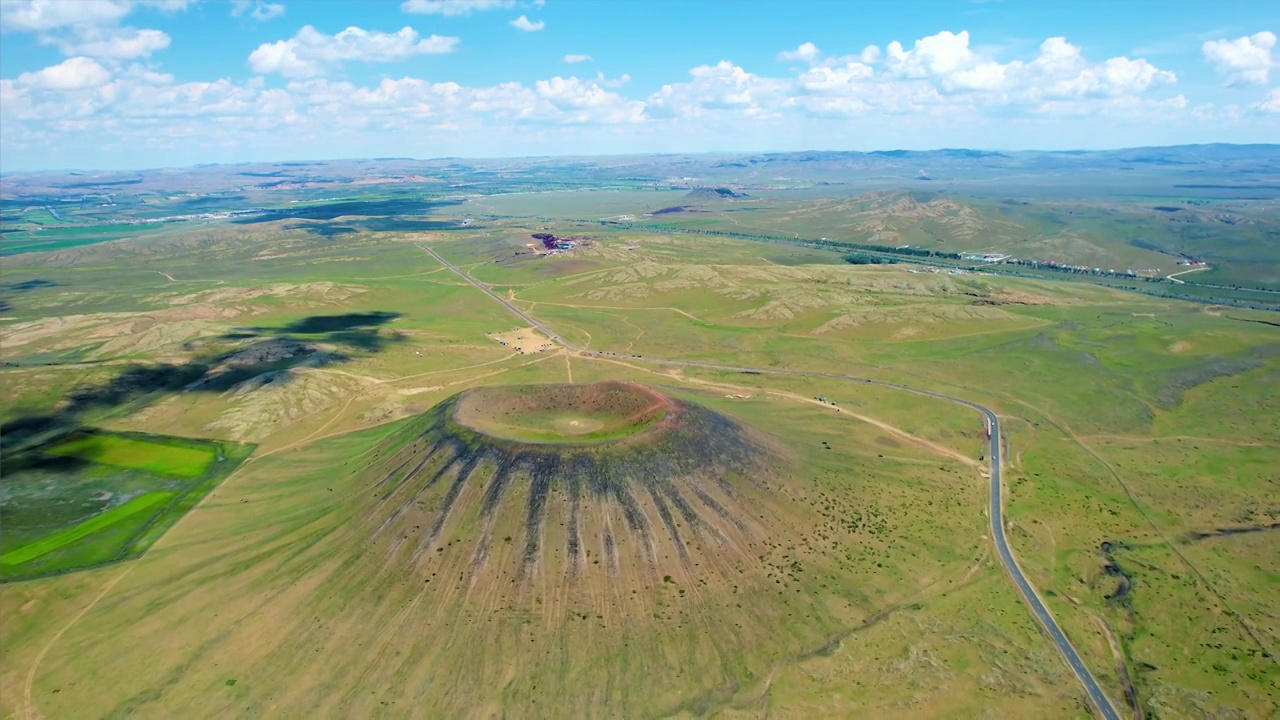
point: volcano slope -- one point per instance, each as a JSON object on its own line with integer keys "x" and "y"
{"x": 623, "y": 474}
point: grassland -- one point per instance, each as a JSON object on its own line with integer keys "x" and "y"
{"x": 721, "y": 631}
{"x": 1141, "y": 437}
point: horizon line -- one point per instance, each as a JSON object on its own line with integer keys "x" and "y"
{"x": 1076, "y": 151}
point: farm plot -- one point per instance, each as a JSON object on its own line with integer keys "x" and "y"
{"x": 96, "y": 497}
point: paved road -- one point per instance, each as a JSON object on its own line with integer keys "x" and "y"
{"x": 1097, "y": 697}
{"x": 523, "y": 315}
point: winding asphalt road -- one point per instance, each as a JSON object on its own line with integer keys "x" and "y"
{"x": 1096, "y": 696}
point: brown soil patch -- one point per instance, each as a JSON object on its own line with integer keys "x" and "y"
{"x": 316, "y": 291}
{"x": 524, "y": 340}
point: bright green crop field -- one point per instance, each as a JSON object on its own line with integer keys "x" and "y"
{"x": 184, "y": 460}
{"x": 98, "y": 497}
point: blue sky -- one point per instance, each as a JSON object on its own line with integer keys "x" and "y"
{"x": 149, "y": 83}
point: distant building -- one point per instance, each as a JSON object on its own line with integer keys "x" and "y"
{"x": 985, "y": 257}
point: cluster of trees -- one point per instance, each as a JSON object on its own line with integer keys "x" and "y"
{"x": 910, "y": 251}
{"x": 823, "y": 242}
{"x": 865, "y": 259}
{"x": 887, "y": 249}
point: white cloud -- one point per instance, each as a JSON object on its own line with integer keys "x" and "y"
{"x": 81, "y": 92}
{"x": 942, "y": 75}
{"x": 942, "y": 88}
{"x": 827, "y": 78}
{"x": 1271, "y": 103}
{"x": 1115, "y": 77}
{"x": 577, "y": 58}
{"x": 146, "y": 75}
{"x": 1243, "y": 60}
{"x": 936, "y": 55}
{"x": 77, "y": 73}
{"x": 311, "y": 52}
{"x": 524, "y": 24}
{"x": 44, "y": 15}
{"x": 37, "y": 15}
{"x": 88, "y": 28}
{"x": 261, "y": 10}
{"x": 265, "y": 11}
{"x": 114, "y": 43}
{"x": 582, "y": 101}
{"x": 948, "y": 64}
{"x": 613, "y": 83}
{"x": 807, "y": 53}
{"x": 453, "y": 7}
{"x": 719, "y": 87}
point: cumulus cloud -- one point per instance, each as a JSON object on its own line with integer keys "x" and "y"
{"x": 311, "y": 52}
{"x": 617, "y": 82}
{"x": 453, "y": 7}
{"x": 77, "y": 73}
{"x": 44, "y": 15}
{"x": 807, "y": 52}
{"x": 831, "y": 77}
{"x": 577, "y": 58}
{"x": 941, "y": 82}
{"x": 941, "y": 73}
{"x": 265, "y": 11}
{"x": 718, "y": 87}
{"x": 114, "y": 44}
{"x": 947, "y": 61}
{"x": 257, "y": 9}
{"x": 88, "y": 28}
{"x": 1117, "y": 76}
{"x": 524, "y": 24}
{"x": 581, "y": 101}
{"x": 940, "y": 54}
{"x": 38, "y": 15}
{"x": 1243, "y": 60}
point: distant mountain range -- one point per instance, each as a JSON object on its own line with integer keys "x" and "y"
{"x": 1227, "y": 170}
{"x": 1167, "y": 155}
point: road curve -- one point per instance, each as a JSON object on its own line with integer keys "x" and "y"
{"x": 1097, "y": 698}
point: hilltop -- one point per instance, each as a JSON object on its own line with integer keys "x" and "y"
{"x": 629, "y": 473}
{"x": 706, "y": 193}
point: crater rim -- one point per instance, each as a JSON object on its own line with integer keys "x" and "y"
{"x": 564, "y": 414}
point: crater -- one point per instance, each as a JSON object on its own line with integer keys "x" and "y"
{"x": 566, "y": 479}
{"x": 573, "y": 414}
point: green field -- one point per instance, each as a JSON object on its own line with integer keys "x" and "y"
{"x": 97, "y": 497}
{"x": 162, "y": 458}
{"x": 99, "y": 522}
